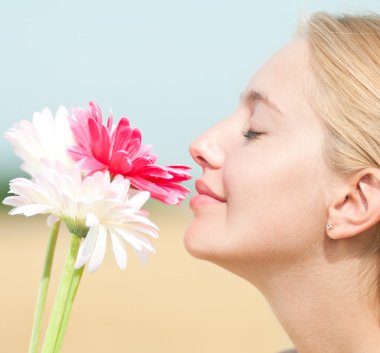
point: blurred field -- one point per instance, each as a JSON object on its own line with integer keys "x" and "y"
{"x": 175, "y": 303}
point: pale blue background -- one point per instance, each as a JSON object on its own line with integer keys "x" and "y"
{"x": 173, "y": 67}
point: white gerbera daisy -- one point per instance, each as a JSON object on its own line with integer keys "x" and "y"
{"x": 93, "y": 207}
{"x": 44, "y": 138}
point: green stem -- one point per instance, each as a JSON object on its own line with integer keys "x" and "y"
{"x": 43, "y": 289}
{"x": 69, "y": 304}
{"x": 61, "y": 297}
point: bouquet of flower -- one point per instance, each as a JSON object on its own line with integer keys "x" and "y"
{"x": 95, "y": 179}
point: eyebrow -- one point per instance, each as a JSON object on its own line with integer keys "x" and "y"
{"x": 253, "y": 96}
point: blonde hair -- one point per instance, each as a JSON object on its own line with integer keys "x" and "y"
{"x": 345, "y": 65}
{"x": 345, "y": 60}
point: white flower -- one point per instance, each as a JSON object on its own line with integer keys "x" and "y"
{"x": 94, "y": 207}
{"x": 46, "y": 138}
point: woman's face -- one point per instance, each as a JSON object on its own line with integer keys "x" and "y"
{"x": 262, "y": 194}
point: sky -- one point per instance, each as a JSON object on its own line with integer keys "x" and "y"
{"x": 174, "y": 68}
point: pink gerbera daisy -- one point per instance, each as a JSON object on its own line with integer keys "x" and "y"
{"x": 118, "y": 149}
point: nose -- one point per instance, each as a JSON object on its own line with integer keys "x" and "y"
{"x": 207, "y": 149}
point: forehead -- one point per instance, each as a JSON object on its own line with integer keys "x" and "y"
{"x": 283, "y": 77}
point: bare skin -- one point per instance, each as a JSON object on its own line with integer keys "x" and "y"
{"x": 267, "y": 195}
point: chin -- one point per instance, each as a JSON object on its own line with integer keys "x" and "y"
{"x": 205, "y": 235}
{"x": 206, "y": 241}
{"x": 211, "y": 241}
{"x": 194, "y": 243}
{"x": 197, "y": 243}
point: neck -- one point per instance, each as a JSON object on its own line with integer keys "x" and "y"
{"x": 323, "y": 318}
{"x": 324, "y": 306}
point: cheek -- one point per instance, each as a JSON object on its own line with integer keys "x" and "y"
{"x": 276, "y": 208}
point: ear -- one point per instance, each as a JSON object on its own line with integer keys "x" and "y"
{"x": 356, "y": 208}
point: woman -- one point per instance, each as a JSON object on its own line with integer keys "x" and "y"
{"x": 289, "y": 198}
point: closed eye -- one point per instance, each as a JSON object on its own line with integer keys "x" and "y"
{"x": 251, "y": 134}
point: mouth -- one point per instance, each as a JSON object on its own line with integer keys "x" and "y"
{"x": 205, "y": 196}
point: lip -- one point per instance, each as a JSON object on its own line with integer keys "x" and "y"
{"x": 205, "y": 195}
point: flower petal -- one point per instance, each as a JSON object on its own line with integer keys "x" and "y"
{"x": 119, "y": 150}
{"x": 91, "y": 220}
{"x": 130, "y": 238}
{"x": 51, "y": 220}
{"x": 138, "y": 200}
{"x": 99, "y": 251}
{"x": 119, "y": 251}
{"x": 92, "y": 164}
{"x": 87, "y": 247}
{"x": 30, "y": 210}
{"x": 142, "y": 255}
{"x": 120, "y": 163}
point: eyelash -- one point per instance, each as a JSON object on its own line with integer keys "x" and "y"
{"x": 251, "y": 134}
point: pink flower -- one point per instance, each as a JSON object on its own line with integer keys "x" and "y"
{"x": 118, "y": 149}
